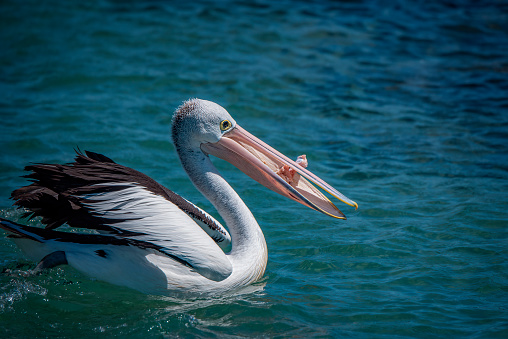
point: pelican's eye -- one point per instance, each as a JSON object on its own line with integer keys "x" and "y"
{"x": 225, "y": 125}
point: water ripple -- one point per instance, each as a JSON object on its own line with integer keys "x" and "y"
{"x": 402, "y": 108}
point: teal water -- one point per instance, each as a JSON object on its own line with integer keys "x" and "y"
{"x": 402, "y": 107}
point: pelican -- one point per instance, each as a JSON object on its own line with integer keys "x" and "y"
{"x": 145, "y": 236}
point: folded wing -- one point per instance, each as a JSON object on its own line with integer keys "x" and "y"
{"x": 96, "y": 193}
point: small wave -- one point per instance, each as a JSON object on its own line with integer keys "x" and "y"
{"x": 17, "y": 290}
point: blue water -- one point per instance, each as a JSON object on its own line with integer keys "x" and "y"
{"x": 402, "y": 107}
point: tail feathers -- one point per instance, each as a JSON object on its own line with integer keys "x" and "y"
{"x": 20, "y": 231}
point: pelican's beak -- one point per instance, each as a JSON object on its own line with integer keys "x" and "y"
{"x": 269, "y": 167}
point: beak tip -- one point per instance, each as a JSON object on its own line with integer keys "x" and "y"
{"x": 351, "y": 203}
{"x": 338, "y": 214}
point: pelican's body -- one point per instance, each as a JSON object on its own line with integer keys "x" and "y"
{"x": 148, "y": 238}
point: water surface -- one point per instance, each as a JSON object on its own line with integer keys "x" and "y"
{"x": 403, "y": 108}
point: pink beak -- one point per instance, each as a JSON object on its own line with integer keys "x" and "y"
{"x": 263, "y": 163}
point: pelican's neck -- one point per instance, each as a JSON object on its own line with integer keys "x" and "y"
{"x": 248, "y": 253}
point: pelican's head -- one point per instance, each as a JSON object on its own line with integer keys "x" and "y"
{"x": 200, "y": 124}
{"x": 197, "y": 122}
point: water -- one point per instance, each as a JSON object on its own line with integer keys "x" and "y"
{"x": 404, "y": 108}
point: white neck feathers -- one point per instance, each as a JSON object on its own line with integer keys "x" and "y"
{"x": 249, "y": 253}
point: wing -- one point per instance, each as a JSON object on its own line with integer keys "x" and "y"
{"x": 96, "y": 193}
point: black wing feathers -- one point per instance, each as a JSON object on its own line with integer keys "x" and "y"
{"x": 57, "y": 191}
{"x": 29, "y": 232}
